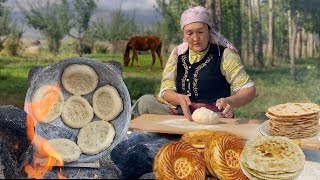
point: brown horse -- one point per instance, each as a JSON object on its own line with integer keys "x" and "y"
{"x": 143, "y": 43}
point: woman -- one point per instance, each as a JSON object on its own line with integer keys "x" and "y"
{"x": 200, "y": 72}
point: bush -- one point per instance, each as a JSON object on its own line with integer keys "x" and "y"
{"x": 11, "y": 45}
{"x": 86, "y": 48}
{"x": 1, "y": 45}
{"x": 100, "y": 48}
{"x": 138, "y": 87}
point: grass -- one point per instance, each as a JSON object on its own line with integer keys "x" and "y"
{"x": 273, "y": 84}
{"x": 14, "y": 75}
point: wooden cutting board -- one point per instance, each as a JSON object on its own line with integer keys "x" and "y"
{"x": 171, "y": 124}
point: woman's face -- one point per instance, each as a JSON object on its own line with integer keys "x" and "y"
{"x": 197, "y": 36}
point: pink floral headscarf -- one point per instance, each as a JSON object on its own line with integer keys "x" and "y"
{"x": 201, "y": 14}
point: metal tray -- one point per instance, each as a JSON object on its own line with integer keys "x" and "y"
{"x": 109, "y": 73}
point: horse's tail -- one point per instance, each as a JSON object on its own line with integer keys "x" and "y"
{"x": 159, "y": 48}
{"x": 126, "y": 58}
{"x": 159, "y": 53}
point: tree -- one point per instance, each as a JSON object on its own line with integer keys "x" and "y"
{"x": 4, "y": 22}
{"x": 10, "y": 32}
{"x": 251, "y": 34}
{"x": 232, "y": 29}
{"x": 311, "y": 12}
{"x": 281, "y": 31}
{"x": 292, "y": 39}
{"x": 299, "y": 12}
{"x": 52, "y": 20}
{"x": 304, "y": 43}
{"x": 211, "y": 6}
{"x": 298, "y": 44}
{"x": 270, "y": 35}
{"x": 214, "y": 8}
{"x": 4, "y": 19}
{"x": 245, "y": 48}
{"x": 238, "y": 23}
{"x": 171, "y": 11}
{"x": 218, "y": 15}
{"x": 258, "y": 37}
{"x": 120, "y": 27}
{"x": 83, "y": 10}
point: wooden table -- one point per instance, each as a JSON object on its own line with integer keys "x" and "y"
{"x": 170, "y": 124}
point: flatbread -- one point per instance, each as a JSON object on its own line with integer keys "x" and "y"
{"x": 272, "y": 154}
{"x": 47, "y": 103}
{"x": 271, "y": 175}
{"x": 294, "y": 109}
{"x": 291, "y": 118}
{"x": 200, "y": 138}
{"x": 107, "y": 103}
{"x": 67, "y": 149}
{"x": 95, "y": 137}
{"x": 179, "y": 160}
{"x": 222, "y": 157}
{"x": 294, "y": 120}
{"x": 197, "y": 139}
{"x": 79, "y": 79}
{"x": 77, "y": 112}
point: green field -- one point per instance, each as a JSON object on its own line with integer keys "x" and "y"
{"x": 273, "y": 84}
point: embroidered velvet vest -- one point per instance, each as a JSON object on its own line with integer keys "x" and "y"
{"x": 202, "y": 81}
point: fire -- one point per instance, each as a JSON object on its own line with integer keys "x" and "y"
{"x": 43, "y": 159}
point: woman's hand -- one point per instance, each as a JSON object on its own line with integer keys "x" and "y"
{"x": 239, "y": 99}
{"x": 225, "y": 104}
{"x": 179, "y": 99}
{"x": 185, "y": 102}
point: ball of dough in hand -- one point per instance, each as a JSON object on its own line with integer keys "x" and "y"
{"x": 205, "y": 116}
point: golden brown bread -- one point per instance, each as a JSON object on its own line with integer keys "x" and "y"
{"x": 179, "y": 160}
{"x": 198, "y": 139}
{"x": 222, "y": 157}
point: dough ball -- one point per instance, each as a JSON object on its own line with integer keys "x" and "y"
{"x": 95, "y": 137}
{"x": 67, "y": 149}
{"x": 77, "y": 112}
{"x": 79, "y": 79}
{"x": 205, "y": 116}
{"x": 47, "y": 103}
{"x": 107, "y": 103}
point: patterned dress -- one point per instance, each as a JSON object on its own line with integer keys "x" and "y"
{"x": 231, "y": 68}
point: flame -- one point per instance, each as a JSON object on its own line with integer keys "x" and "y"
{"x": 61, "y": 176}
{"x": 45, "y": 158}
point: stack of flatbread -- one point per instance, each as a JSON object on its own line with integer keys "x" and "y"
{"x": 272, "y": 157}
{"x": 221, "y": 151}
{"x": 294, "y": 120}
